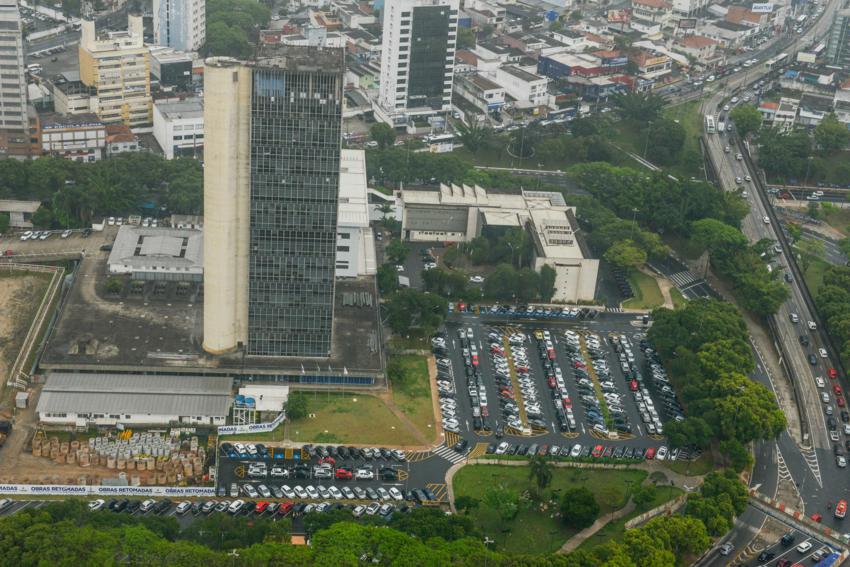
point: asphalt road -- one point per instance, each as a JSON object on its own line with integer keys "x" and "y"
{"x": 811, "y": 469}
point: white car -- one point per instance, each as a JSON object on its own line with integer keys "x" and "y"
{"x": 96, "y": 505}
{"x": 396, "y": 494}
{"x": 364, "y": 474}
{"x": 382, "y": 492}
{"x": 26, "y": 235}
{"x": 822, "y": 352}
{"x": 312, "y": 492}
{"x": 502, "y": 448}
{"x": 250, "y": 491}
{"x": 765, "y": 220}
{"x": 146, "y": 506}
{"x": 820, "y": 381}
{"x": 476, "y": 279}
{"x": 279, "y": 472}
{"x": 661, "y": 454}
{"x": 236, "y": 506}
{"x": 300, "y": 492}
{"x": 183, "y": 507}
{"x": 399, "y": 268}
{"x": 264, "y": 491}
{"x": 812, "y": 326}
{"x": 111, "y": 221}
{"x": 576, "y": 450}
{"x": 67, "y": 233}
{"x": 287, "y": 491}
{"x": 804, "y": 547}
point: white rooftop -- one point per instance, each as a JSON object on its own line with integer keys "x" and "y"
{"x": 353, "y": 199}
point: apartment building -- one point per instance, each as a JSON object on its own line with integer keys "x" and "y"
{"x": 117, "y": 65}
{"x": 181, "y": 24}
{"x": 14, "y": 122}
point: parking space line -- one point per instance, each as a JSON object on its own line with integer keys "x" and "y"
{"x": 440, "y": 490}
{"x": 477, "y": 451}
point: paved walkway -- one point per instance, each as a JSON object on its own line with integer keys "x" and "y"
{"x": 578, "y": 539}
{"x": 663, "y": 284}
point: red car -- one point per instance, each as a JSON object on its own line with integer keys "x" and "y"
{"x": 650, "y": 453}
{"x": 551, "y": 354}
{"x": 832, "y": 373}
{"x": 343, "y": 474}
{"x": 840, "y": 401}
{"x": 633, "y": 386}
{"x": 579, "y": 364}
{"x": 261, "y": 507}
{"x": 837, "y": 389}
{"x": 285, "y": 508}
{"x": 597, "y": 451}
{"x": 816, "y": 517}
{"x": 567, "y": 402}
{"x": 841, "y": 509}
{"x": 552, "y": 382}
{"x": 485, "y": 412}
{"x": 328, "y": 460}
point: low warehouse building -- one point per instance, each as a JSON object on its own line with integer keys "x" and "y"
{"x": 82, "y": 400}
{"x": 150, "y": 253}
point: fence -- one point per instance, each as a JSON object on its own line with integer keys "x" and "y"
{"x": 667, "y": 508}
{"x": 75, "y": 490}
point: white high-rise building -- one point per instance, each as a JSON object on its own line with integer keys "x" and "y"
{"x": 14, "y": 123}
{"x": 181, "y": 24}
{"x": 417, "y": 58}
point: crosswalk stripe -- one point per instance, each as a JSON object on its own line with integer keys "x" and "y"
{"x": 449, "y": 454}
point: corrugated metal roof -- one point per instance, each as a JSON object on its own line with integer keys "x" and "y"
{"x": 135, "y": 394}
{"x": 445, "y": 219}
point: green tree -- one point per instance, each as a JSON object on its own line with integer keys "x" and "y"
{"x": 114, "y": 285}
{"x": 831, "y": 135}
{"x": 411, "y": 311}
{"x": 504, "y": 502}
{"x": 467, "y": 504}
{"x": 664, "y": 141}
{"x": 547, "y": 282}
{"x": 473, "y": 135}
{"x": 794, "y": 232}
{"x": 387, "y": 278}
{"x": 383, "y": 134}
{"x": 579, "y": 508}
{"x": 625, "y": 254}
{"x": 640, "y": 107}
{"x": 747, "y": 119}
{"x": 397, "y": 251}
{"x": 736, "y": 454}
{"x": 4, "y": 223}
{"x": 693, "y": 431}
{"x": 810, "y": 249}
{"x": 224, "y": 40}
{"x": 540, "y": 471}
{"x": 643, "y": 496}
{"x": 465, "y": 38}
{"x": 501, "y": 283}
{"x": 296, "y": 406}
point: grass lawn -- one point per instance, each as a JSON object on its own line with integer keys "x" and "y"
{"x": 814, "y": 275}
{"x": 533, "y": 530}
{"x": 647, "y": 293}
{"x": 413, "y": 395}
{"x": 616, "y": 529}
{"x": 341, "y": 418}
{"x": 838, "y": 218}
{"x": 679, "y": 300}
{"x": 632, "y": 139}
{"x": 412, "y": 343}
{"x": 703, "y": 465}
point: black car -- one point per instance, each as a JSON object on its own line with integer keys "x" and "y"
{"x": 196, "y": 507}
{"x": 831, "y": 423}
{"x": 162, "y": 506}
{"x": 133, "y": 506}
{"x": 249, "y": 507}
{"x": 111, "y": 504}
{"x": 766, "y": 556}
{"x": 787, "y": 539}
{"x": 813, "y": 360}
{"x": 389, "y": 474}
{"x": 845, "y": 416}
{"x": 804, "y": 340}
{"x": 121, "y": 505}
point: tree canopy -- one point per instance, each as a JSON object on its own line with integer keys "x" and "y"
{"x": 231, "y": 26}
{"x": 747, "y": 119}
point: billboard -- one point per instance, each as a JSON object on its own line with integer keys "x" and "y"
{"x": 687, "y": 23}
{"x": 763, "y": 8}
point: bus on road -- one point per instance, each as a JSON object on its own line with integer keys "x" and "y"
{"x": 775, "y": 62}
{"x": 710, "y": 127}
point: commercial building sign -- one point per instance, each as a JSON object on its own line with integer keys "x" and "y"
{"x": 687, "y": 23}
{"x": 762, "y": 8}
{"x": 74, "y": 490}
{"x": 253, "y": 427}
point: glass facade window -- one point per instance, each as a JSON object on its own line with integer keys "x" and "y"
{"x": 430, "y": 33}
{"x": 296, "y": 119}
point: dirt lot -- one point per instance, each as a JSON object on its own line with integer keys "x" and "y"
{"x": 20, "y": 296}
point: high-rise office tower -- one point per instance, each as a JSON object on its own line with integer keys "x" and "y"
{"x": 417, "y": 57}
{"x": 838, "y": 40}
{"x": 181, "y": 24}
{"x": 14, "y": 123}
{"x": 271, "y": 183}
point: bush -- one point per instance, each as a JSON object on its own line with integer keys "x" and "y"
{"x": 579, "y": 508}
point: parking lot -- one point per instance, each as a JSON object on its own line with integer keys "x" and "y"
{"x": 350, "y": 475}
{"x": 565, "y": 386}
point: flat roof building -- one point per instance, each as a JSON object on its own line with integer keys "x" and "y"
{"x": 174, "y": 254}
{"x": 178, "y": 126}
{"x": 134, "y": 399}
{"x": 355, "y": 244}
{"x": 459, "y": 213}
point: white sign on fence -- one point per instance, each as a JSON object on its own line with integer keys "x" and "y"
{"x": 762, "y": 8}
{"x": 74, "y": 490}
{"x": 252, "y": 428}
